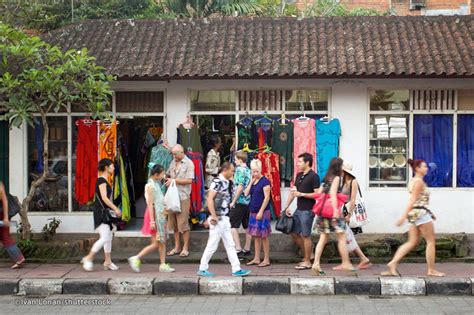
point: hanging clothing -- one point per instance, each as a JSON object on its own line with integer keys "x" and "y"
{"x": 190, "y": 139}
{"x": 86, "y": 161}
{"x": 247, "y": 135}
{"x": 304, "y": 141}
{"x": 213, "y": 162}
{"x": 160, "y": 156}
{"x": 121, "y": 196}
{"x": 327, "y": 143}
{"x": 108, "y": 143}
{"x": 197, "y": 187}
{"x": 271, "y": 170}
{"x": 282, "y": 144}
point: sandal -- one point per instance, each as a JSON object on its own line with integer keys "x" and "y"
{"x": 316, "y": 271}
{"x": 302, "y": 267}
{"x": 364, "y": 265}
{"x": 263, "y": 265}
{"x": 184, "y": 253}
{"x": 172, "y": 252}
{"x": 338, "y": 268}
{"x": 18, "y": 265}
{"x": 252, "y": 263}
{"x": 390, "y": 274}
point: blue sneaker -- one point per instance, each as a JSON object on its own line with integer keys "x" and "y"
{"x": 205, "y": 273}
{"x": 241, "y": 273}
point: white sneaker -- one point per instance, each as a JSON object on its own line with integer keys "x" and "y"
{"x": 111, "y": 266}
{"x": 166, "y": 268}
{"x": 87, "y": 265}
{"x": 135, "y": 263}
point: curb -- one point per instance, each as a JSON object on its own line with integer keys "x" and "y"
{"x": 191, "y": 286}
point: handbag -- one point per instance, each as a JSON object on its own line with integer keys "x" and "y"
{"x": 323, "y": 206}
{"x": 359, "y": 216}
{"x": 171, "y": 200}
{"x": 14, "y": 206}
{"x": 107, "y": 215}
{"x": 284, "y": 224}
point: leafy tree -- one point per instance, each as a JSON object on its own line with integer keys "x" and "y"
{"x": 205, "y": 8}
{"x": 36, "y": 79}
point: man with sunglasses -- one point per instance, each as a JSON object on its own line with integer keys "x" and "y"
{"x": 307, "y": 181}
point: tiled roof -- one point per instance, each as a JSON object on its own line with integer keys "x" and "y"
{"x": 277, "y": 47}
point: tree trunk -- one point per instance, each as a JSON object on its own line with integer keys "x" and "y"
{"x": 25, "y": 223}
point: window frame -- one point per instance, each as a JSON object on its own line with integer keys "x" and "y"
{"x": 411, "y": 114}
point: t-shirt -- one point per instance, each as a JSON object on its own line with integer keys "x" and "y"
{"x": 99, "y": 202}
{"x": 222, "y": 187}
{"x": 185, "y": 171}
{"x": 257, "y": 195}
{"x": 242, "y": 177}
{"x": 306, "y": 184}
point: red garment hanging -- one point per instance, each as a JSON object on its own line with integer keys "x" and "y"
{"x": 271, "y": 170}
{"x": 86, "y": 161}
{"x": 197, "y": 187}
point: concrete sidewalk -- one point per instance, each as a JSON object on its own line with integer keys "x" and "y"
{"x": 47, "y": 279}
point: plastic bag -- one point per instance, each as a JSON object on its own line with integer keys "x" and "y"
{"x": 351, "y": 243}
{"x": 171, "y": 200}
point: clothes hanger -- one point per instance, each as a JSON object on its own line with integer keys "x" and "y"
{"x": 283, "y": 119}
{"x": 303, "y": 114}
{"x": 247, "y": 149}
{"x": 246, "y": 121}
{"x": 265, "y": 120}
{"x": 188, "y": 123}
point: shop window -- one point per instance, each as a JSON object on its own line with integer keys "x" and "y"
{"x": 388, "y": 151}
{"x": 465, "y": 151}
{"x": 466, "y": 99}
{"x": 389, "y": 100}
{"x": 206, "y": 101}
{"x": 433, "y": 99}
{"x": 52, "y": 195}
{"x": 307, "y": 100}
{"x": 139, "y": 102}
{"x": 433, "y": 142}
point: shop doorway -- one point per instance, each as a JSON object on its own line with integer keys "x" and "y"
{"x": 136, "y": 138}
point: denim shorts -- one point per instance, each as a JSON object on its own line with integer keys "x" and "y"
{"x": 426, "y": 218}
{"x": 303, "y": 222}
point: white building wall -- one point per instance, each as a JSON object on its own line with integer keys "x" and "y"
{"x": 454, "y": 207}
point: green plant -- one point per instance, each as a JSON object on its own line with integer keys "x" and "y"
{"x": 37, "y": 78}
{"x": 49, "y": 230}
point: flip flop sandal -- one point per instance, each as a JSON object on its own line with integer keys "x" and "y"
{"x": 262, "y": 265}
{"x": 18, "y": 265}
{"x": 252, "y": 263}
{"x": 317, "y": 272}
{"x": 172, "y": 253}
{"x": 365, "y": 265}
{"x": 184, "y": 254}
{"x": 390, "y": 274}
{"x": 338, "y": 268}
{"x": 301, "y": 267}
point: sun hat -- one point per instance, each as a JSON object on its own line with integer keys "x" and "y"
{"x": 347, "y": 167}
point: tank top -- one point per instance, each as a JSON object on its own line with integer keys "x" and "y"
{"x": 423, "y": 199}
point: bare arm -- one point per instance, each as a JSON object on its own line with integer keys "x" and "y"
{"x": 266, "y": 200}
{"x": 106, "y": 200}
{"x": 353, "y": 196}
{"x": 238, "y": 192}
{"x": 417, "y": 188}
{"x": 249, "y": 186}
{"x": 210, "y": 204}
{"x": 151, "y": 202}
{"x": 4, "y": 200}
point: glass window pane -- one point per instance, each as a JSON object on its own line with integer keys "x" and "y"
{"x": 52, "y": 195}
{"x": 394, "y": 100}
{"x": 139, "y": 102}
{"x": 466, "y": 99}
{"x": 465, "y": 165}
{"x": 310, "y": 100}
{"x": 433, "y": 142}
{"x": 388, "y": 151}
{"x": 210, "y": 101}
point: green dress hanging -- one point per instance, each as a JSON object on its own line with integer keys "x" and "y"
{"x": 282, "y": 144}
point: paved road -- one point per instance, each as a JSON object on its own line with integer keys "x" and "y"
{"x": 240, "y": 305}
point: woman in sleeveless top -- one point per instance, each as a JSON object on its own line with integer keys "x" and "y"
{"x": 421, "y": 220}
{"x": 154, "y": 223}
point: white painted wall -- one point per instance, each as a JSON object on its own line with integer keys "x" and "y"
{"x": 349, "y": 103}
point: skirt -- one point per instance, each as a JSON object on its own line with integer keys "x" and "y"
{"x": 325, "y": 225}
{"x": 160, "y": 232}
{"x": 260, "y": 228}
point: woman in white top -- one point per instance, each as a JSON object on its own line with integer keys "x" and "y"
{"x": 213, "y": 160}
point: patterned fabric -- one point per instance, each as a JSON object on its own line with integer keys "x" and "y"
{"x": 271, "y": 170}
{"x": 213, "y": 161}
{"x": 185, "y": 170}
{"x": 223, "y": 188}
{"x": 260, "y": 228}
{"x": 197, "y": 187}
{"x": 247, "y": 135}
{"x": 327, "y": 143}
{"x": 108, "y": 143}
{"x": 326, "y": 226}
{"x": 160, "y": 217}
{"x": 86, "y": 162}
{"x": 282, "y": 144}
{"x": 347, "y": 190}
{"x": 161, "y": 156}
{"x": 423, "y": 199}
{"x": 304, "y": 132}
{"x": 10, "y": 245}
{"x": 242, "y": 177}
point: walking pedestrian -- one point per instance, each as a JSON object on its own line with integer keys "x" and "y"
{"x": 307, "y": 181}
{"x": 103, "y": 202}
{"x": 218, "y": 202}
{"x": 259, "y": 222}
{"x": 332, "y": 184}
{"x": 421, "y": 219}
{"x": 155, "y": 220}
{"x": 351, "y": 189}
{"x": 8, "y": 243}
{"x": 182, "y": 171}
{"x": 239, "y": 208}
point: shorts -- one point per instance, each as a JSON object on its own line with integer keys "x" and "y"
{"x": 302, "y": 222}
{"x": 426, "y": 218}
{"x": 326, "y": 226}
{"x": 239, "y": 216}
{"x": 180, "y": 221}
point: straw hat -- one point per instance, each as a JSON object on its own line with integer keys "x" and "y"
{"x": 347, "y": 167}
